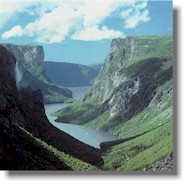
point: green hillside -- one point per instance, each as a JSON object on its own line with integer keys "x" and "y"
{"x": 70, "y": 75}
{"x": 68, "y": 160}
{"x": 30, "y": 62}
{"x": 131, "y": 97}
{"x": 28, "y": 141}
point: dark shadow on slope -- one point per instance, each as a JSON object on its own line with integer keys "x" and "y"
{"x": 118, "y": 175}
{"x": 106, "y": 145}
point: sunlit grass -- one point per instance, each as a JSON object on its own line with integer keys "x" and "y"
{"x": 72, "y": 162}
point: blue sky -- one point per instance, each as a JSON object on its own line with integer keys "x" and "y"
{"x": 80, "y": 31}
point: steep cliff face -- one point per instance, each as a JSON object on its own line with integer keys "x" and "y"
{"x": 27, "y": 139}
{"x": 131, "y": 97}
{"x": 15, "y": 147}
{"x": 30, "y": 58}
{"x": 7, "y": 86}
{"x": 111, "y": 75}
{"x": 133, "y": 70}
{"x": 32, "y": 72}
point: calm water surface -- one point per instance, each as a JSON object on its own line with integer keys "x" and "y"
{"x": 86, "y": 135}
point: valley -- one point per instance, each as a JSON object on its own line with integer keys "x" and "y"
{"x": 86, "y": 135}
{"x": 71, "y": 75}
{"x": 120, "y": 119}
{"x": 132, "y": 97}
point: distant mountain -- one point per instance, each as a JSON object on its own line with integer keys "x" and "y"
{"x": 32, "y": 72}
{"x": 97, "y": 66}
{"x": 69, "y": 74}
{"x": 27, "y": 140}
{"x": 132, "y": 97}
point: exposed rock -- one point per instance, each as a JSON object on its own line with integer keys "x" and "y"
{"x": 25, "y": 108}
{"x": 111, "y": 77}
{"x": 127, "y": 83}
{"x": 30, "y": 58}
{"x": 165, "y": 164}
{"x": 132, "y": 97}
{"x": 30, "y": 65}
{"x": 7, "y": 61}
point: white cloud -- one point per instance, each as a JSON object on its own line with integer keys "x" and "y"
{"x": 125, "y": 13}
{"x": 141, "y": 5}
{"x": 135, "y": 14}
{"x": 15, "y": 31}
{"x": 55, "y": 25}
{"x": 95, "y": 11}
{"x": 60, "y": 19}
{"x": 9, "y": 8}
{"x": 96, "y": 34}
{"x": 134, "y": 20}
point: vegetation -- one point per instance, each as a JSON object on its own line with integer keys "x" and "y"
{"x": 152, "y": 76}
{"x": 132, "y": 97}
{"x": 151, "y": 68}
{"x": 159, "y": 46}
{"x": 73, "y": 163}
{"x": 70, "y": 75}
{"x": 30, "y": 62}
{"x": 155, "y": 140}
{"x": 141, "y": 152}
{"x": 97, "y": 67}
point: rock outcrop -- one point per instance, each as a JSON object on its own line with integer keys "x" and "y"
{"x": 30, "y": 58}
{"x": 127, "y": 82}
{"x": 22, "y": 119}
{"x": 111, "y": 76}
{"x": 131, "y": 97}
{"x": 30, "y": 63}
{"x": 165, "y": 164}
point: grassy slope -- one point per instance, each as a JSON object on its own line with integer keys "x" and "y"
{"x": 153, "y": 76}
{"x": 20, "y": 152}
{"x": 152, "y": 46}
{"x": 71, "y": 162}
{"x": 140, "y": 152}
{"x": 154, "y": 120}
{"x": 51, "y": 92}
{"x": 149, "y": 47}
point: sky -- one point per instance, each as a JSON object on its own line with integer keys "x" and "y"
{"x": 80, "y": 31}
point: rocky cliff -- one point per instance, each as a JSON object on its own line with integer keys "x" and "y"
{"x": 111, "y": 75}
{"x": 127, "y": 82}
{"x": 32, "y": 72}
{"x": 30, "y": 58}
{"x": 27, "y": 139}
{"x": 132, "y": 97}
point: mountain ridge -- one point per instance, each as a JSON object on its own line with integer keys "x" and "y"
{"x": 27, "y": 140}
{"x": 131, "y": 95}
{"x": 31, "y": 64}
{"x": 70, "y": 74}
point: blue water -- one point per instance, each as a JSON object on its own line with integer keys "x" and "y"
{"x": 86, "y": 135}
